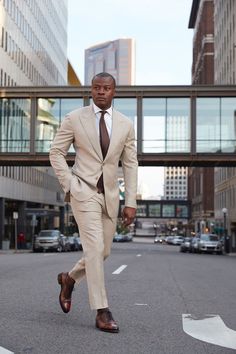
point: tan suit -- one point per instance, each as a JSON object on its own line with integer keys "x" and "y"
{"x": 95, "y": 213}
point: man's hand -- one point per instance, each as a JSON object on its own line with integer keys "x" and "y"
{"x": 128, "y": 215}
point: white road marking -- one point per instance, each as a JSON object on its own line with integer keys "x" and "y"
{"x": 5, "y": 351}
{"x": 137, "y": 304}
{"x": 138, "y": 255}
{"x": 49, "y": 254}
{"x": 120, "y": 269}
{"x": 210, "y": 329}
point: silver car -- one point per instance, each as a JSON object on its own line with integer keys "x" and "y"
{"x": 209, "y": 243}
{"x": 177, "y": 240}
{"x": 48, "y": 240}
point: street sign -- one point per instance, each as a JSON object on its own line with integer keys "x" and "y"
{"x": 15, "y": 215}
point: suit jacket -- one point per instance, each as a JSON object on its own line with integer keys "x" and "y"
{"x": 79, "y": 128}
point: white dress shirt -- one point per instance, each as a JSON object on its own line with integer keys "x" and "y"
{"x": 107, "y": 118}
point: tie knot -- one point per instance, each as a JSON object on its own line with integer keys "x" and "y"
{"x": 103, "y": 113}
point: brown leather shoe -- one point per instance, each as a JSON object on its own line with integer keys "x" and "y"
{"x": 67, "y": 286}
{"x": 105, "y": 321}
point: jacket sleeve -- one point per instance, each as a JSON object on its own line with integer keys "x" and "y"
{"x": 130, "y": 168}
{"x": 59, "y": 149}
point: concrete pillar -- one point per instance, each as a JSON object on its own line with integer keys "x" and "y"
{"x": 2, "y": 219}
{"x": 22, "y": 217}
{"x": 62, "y": 219}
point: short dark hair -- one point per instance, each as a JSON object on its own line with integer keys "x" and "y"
{"x": 104, "y": 74}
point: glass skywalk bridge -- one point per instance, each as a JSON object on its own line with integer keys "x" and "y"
{"x": 174, "y": 125}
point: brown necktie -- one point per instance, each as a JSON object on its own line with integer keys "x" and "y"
{"x": 104, "y": 137}
{"x": 104, "y": 142}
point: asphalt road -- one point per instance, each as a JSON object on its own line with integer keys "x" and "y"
{"x": 147, "y": 298}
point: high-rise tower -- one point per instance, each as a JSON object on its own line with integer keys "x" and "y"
{"x": 115, "y": 57}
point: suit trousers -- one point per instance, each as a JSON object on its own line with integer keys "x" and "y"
{"x": 96, "y": 230}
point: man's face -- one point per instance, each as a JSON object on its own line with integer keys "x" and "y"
{"x": 103, "y": 91}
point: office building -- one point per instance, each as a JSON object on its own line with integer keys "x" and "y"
{"x": 33, "y": 42}
{"x": 201, "y": 179}
{"x": 214, "y": 62}
{"x": 33, "y": 52}
{"x": 175, "y": 183}
{"x": 115, "y": 57}
{"x": 175, "y": 178}
{"x": 225, "y": 67}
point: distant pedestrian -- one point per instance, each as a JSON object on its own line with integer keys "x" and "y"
{"x": 21, "y": 241}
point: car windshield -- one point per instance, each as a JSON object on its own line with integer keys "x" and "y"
{"x": 209, "y": 237}
{"x": 48, "y": 233}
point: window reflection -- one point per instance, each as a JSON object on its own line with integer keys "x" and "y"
{"x": 127, "y": 106}
{"x": 166, "y": 125}
{"x": 154, "y": 127}
{"x": 168, "y": 210}
{"x": 51, "y": 112}
{"x": 178, "y": 125}
{"x": 216, "y": 124}
{"x": 208, "y": 125}
{"x": 182, "y": 211}
{"x": 228, "y": 124}
{"x": 155, "y": 210}
{"x": 141, "y": 210}
{"x": 15, "y": 125}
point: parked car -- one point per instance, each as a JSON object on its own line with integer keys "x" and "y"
{"x": 186, "y": 245}
{"x": 49, "y": 240}
{"x": 79, "y": 244}
{"x": 159, "y": 239}
{"x": 122, "y": 237}
{"x": 74, "y": 244}
{"x": 66, "y": 243}
{"x": 169, "y": 239}
{"x": 177, "y": 240}
{"x": 194, "y": 244}
{"x": 209, "y": 243}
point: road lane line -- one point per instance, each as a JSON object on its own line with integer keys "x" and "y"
{"x": 210, "y": 329}
{"x": 5, "y": 351}
{"x": 49, "y": 254}
{"x": 137, "y": 304}
{"x": 120, "y": 269}
{"x": 138, "y": 255}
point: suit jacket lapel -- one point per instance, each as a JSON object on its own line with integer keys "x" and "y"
{"x": 115, "y": 135}
{"x": 89, "y": 124}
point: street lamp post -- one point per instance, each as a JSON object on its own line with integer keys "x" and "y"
{"x": 155, "y": 228}
{"x": 226, "y": 241}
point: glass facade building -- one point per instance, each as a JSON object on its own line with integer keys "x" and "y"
{"x": 33, "y": 52}
{"x": 33, "y": 42}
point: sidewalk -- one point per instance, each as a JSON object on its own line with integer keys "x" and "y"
{"x": 11, "y": 251}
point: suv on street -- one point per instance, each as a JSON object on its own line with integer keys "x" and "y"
{"x": 209, "y": 243}
{"x": 48, "y": 240}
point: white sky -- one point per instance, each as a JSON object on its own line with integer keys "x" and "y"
{"x": 163, "y": 46}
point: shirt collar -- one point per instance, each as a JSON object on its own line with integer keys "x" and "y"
{"x": 97, "y": 109}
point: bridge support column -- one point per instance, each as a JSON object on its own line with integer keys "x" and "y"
{"x": 2, "y": 218}
{"x": 62, "y": 219}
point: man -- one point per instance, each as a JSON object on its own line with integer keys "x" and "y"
{"x": 101, "y": 137}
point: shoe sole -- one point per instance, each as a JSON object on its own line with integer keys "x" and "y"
{"x": 107, "y": 330}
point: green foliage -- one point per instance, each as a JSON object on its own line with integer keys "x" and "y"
{"x": 121, "y": 228}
